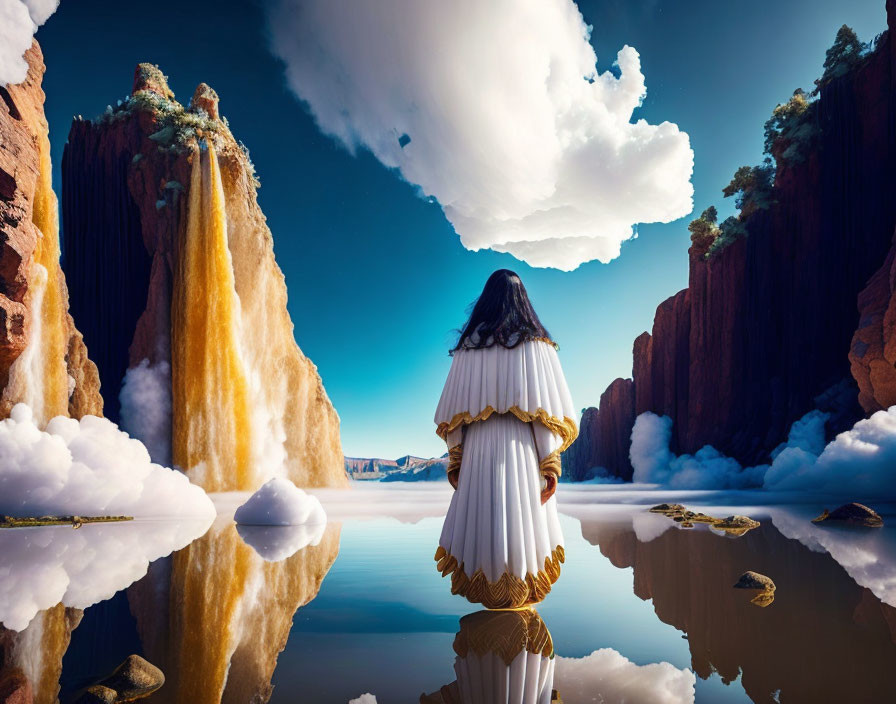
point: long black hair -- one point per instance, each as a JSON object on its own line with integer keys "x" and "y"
{"x": 503, "y": 315}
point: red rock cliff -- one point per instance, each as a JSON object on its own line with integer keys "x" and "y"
{"x": 129, "y": 198}
{"x": 43, "y": 360}
{"x": 764, "y": 328}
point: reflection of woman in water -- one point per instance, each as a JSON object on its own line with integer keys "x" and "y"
{"x": 506, "y": 415}
{"x": 502, "y": 658}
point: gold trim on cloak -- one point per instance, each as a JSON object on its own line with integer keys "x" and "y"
{"x": 504, "y": 633}
{"x": 455, "y": 456}
{"x": 565, "y": 427}
{"x": 510, "y": 591}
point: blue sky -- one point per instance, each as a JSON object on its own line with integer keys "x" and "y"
{"x": 377, "y": 278}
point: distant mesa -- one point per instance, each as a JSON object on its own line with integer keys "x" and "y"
{"x": 405, "y": 469}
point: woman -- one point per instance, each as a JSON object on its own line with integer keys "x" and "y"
{"x": 506, "y": 415}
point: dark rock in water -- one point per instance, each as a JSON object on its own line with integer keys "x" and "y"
{"x": 763, "y": 599}
{"x": 98, "y": 694}
{"x": 754, "y": 580}
{"x": 853, "y": 514}
{"x": 736, "y": 525}
{"x": 15, "y": 688}
{"x": 135, "y": 678}
{"x": 667, "y": 508}
{"x": 733, "y": 525}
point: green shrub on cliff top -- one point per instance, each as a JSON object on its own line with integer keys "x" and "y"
{"x": 791, "y": 128}
{"x": 709, "y": 238}
{"x": 730, "y": 230}
{"x": 844, "y": 54}
{"x": 178, "y": 127}
{"x": 751, "y": 187}
{"x": 704, "y": 230}
{"x": 789, "y": 133}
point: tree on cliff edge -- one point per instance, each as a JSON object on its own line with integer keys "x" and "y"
{"x": 842, "y": 56}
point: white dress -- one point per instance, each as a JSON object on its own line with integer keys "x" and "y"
{"x": 506, "y": 415}
{"x": 502, "y": 658}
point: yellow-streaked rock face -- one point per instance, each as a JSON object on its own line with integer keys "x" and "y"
{"x": 43, "y": 361}
{"x": 149, "y": 162}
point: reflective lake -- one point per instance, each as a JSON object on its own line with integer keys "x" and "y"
{"x": 644, "y": 611}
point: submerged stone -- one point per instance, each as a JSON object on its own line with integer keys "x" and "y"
{"x": 134, "y": 679}
{"x": 732, "y": 525}
{"x": 98, "y": 694}
{"x": 854, "y": 514}
{"x": 667, "y": 508}
{"x": 755, "y": 580}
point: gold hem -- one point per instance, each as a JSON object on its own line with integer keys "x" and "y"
{"x": 509, "y": 591}
{"x": 504, "y": 633}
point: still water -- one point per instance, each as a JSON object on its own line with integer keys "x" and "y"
{"x": 644, "y": 610}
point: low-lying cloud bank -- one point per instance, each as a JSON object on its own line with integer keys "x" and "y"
{"x": 87, "y": 467}
{"x": 496, "y": 110}
{"x": 19, "y": 20}
{"x": 858, "y": 462}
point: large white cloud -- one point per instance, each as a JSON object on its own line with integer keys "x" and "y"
{"x": 526, "y": 146}
{"x": 608, "y": 676}
{"x": 19, "y": 20}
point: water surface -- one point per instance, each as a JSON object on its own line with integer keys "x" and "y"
{"x": 644, "y": 610}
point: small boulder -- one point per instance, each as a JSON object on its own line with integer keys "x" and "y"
{"x": 737, "y": 522}
{"x": 754, "y": 580}
{"x": 736, "y": 525}
{"x": 852, "y": 514}
{"x": 98, "y": 694}
{"x": 134, "y": 679}
{"x": 668, "y": 508}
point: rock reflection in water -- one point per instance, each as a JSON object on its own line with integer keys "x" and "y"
{"x": 825, "y": 638}
{"x": 216, "y": 616}
{"x": 32, "y": 658}
{"x": 48, "y": 574}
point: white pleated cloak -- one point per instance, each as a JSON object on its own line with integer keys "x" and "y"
{"x": 500, "y": 661}
{"x": 506, "y": 414}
